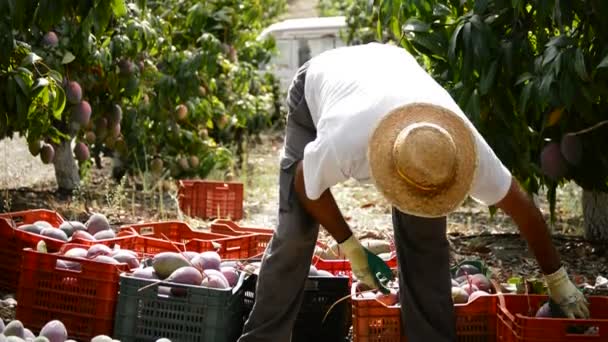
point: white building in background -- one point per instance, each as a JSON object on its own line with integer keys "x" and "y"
{"x": 300, "y": 39}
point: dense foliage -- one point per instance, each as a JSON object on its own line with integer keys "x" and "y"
{"x": 532, "y": 75}
{"x": 168, "y": 85}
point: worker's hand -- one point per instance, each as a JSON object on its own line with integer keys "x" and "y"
{"x": 369, "y": 269}
{"x": 566, "y": 295}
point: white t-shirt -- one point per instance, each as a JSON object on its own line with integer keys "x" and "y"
{"x": 349, "y": 89}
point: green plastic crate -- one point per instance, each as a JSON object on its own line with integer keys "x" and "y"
{"x": 196, "y": 314}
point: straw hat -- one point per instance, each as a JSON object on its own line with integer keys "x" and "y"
{"x": 422, "y": 159}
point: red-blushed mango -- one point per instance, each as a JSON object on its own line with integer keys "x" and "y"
{"x": 215, "y": 276}
{"x": 96, "y": 223}
{"x": 552, "y": 162}
{"x": 82, "y": 235}
{"x": 76, "y": 252}
{"x": 69, "y": 227}
{"x": 81, "y": 151}
{"x": 481, "y": 281}
{"x": 98, "y": 249}
{"x": 125, "y": 257}
{"x": 81, "y": 113}
{"x": 47, "y": 153}
{"x": 106, "y": 259}
{"x": 145, "y": 273}
{"x": 31, "y": 228}
{"x": 55, "y": 331}
{"x": 231, "y": 275}
{"x": 104, "y": 234}
{"x": 186, "y": 275}
{"x": 572, "y": 148}
{"x": 50, "y": 39}
{"x": 54, "y": 233}
{"x": 73, "y": 92}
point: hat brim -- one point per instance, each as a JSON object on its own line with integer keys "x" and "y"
{"x": 404, "y": 196}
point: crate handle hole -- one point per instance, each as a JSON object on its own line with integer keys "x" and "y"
{"x": 575, "y": 330}
{"x": 18, "y": 219}
{"x": 168, "y": 291}
{"x": 146, "y": 230}
{"x": 68, "y": 265}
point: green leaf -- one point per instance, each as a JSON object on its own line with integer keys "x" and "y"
{"x": 487, "y": 78}
{"x": 579, "y": 65}
{"x": 454, "y": 43}
{"x": 40, "y": 84}
{"x": 441, "y": 10}
{"x": 525, "y": 96}
{"x": 603, "y": 63}
{"x": 30, "y": 59}
{"x": 68, "y": 57}
{"x": 119, "y": 8}
{"x": 526, "y": 76}
{"x": 415, "y": 25}
{"x": 23, "y": 85}
{"x": 473, "y": 107}
{"x": 549, "y": 55}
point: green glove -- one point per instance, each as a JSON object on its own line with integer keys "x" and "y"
{"x": 369, "y": 269}
{"x": 380, "y": 270}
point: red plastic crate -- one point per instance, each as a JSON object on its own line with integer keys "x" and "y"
{"x": 236, "y": 247}
{"x": 211, "y": 199}
{"x": 12, "y": 243}
{"x": 83, "y": 300}
{"x": 375, "y": 322}
{"x": 143, "y": 245}
{"x": 516, "y": 321}
{"x": 31, "y": 216}
{"x": 342, "y": 267}
{"x": 229, "y": 227}
{"x": 173, "y": 230}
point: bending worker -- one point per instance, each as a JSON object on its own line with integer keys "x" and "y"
{"x": 370, "y": 112}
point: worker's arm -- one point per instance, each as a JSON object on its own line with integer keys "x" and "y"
{"x": 528, "y": 218}
{"x": 325, "y": 211}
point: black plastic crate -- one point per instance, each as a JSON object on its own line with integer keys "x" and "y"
{"x": 320, "y": 293}
{"x": 195, "y": 314}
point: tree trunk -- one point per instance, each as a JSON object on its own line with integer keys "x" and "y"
{"x": 595, "y": 211}
{"x": 66, "y": 170}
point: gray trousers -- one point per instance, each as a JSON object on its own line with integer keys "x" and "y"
{"x": 421, "y": 243}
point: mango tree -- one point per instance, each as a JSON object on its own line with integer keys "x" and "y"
{"x": 201, "y": 94}
{"x": 532, "y": 76}
{"x": 158, "y": 85}
{"x": 53, "y": 75}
